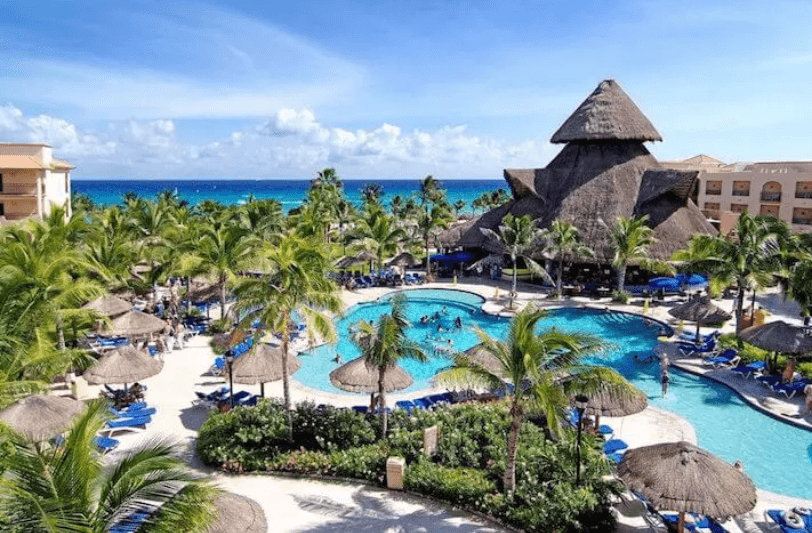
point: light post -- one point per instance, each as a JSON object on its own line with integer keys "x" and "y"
{"x": 230, "y": 363}
{"x": 580, "y": 407}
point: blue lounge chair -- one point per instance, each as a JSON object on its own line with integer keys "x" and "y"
{"x": 728, "y": 358}
{"x": 749, "y": 369}
{"x": 689, "y": 336}
{"x": 778, "y": 516}
{"x": 790, "y": 389}
{"x": 130, "y": 523}
{"x": 769, "y": 381}
{"x": 614, "y": 445}
{"x": 240, "y": 397}
{"x": 423, "y": 403}
{"x": 136, "y": 423}
{"x": 406, "y": 405}
{"x": 707, "y": 347}
{"x": 134, "y": 410}
{"x": 105, "y": 444}
{"x": 360, "y": 409}
{"x": 606, "y": 430}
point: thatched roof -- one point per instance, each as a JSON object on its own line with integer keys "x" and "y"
{"x": 41, "y": 416}
{"x": 358, "y": 376}
{"x": 606, "y": 404}
{"x": 700, "y": 310}
{"x": 203, "y": 293}
{"x": 679, "y": 476}
{"x": 263, "y": 365}
{"x": 480, "y": 356}
{"x": 779, "y": 337}
{"x": 404, "y": 259}
{"x": 606, "y": 114}
{"x": 109, "y": 305}
{"x": 123, "y": 365}
{"x": 238, "y": 514}
{"x": 596, "y": 178}
{"x": 135, "y": 323}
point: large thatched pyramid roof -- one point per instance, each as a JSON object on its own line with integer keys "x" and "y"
{"x": 607, "y": 114}
{"x": 603, "y": 172}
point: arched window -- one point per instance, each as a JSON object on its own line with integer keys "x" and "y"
{"x": 771, "y": 192}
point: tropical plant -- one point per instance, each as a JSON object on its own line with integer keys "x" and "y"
{"x": 630, "y": 239}
{"x": 67, "y": 488}
{"x": 378, "y": 231}
{"x": 296, "y": 282}
{"x": 748, "y": 257}
{"x": 384, "y": 344}
{"x": 563, "y": 238}
{"x": 545, "y": 368}
{"x": 520, "y": 237}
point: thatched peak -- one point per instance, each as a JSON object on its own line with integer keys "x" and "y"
{"x": 607, "y": 114}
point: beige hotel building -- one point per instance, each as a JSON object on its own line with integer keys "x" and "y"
{"x": 781, "y": 189}
{"x": 31, "y": 180}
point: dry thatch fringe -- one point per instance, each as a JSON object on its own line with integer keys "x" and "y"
{"x": 359, "y": 376}
{"x": 264, "y": 365}
{"x": 123, "y": 365}
{"x": 779, "y": 337}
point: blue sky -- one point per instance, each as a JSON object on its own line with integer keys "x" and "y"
{"x": 392, "y": 89}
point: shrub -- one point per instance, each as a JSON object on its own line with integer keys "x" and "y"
{"x": 244, "y": 439}
{"x": 805, "y": 369}
{"x": 457, "y": 485}
{"x": 221, "y": 325}
{"x": 747, "y": 352}
{"x": 367, "y": 462}
{"x": 302, "y": 462}
{"x": 621, "y": 297}
{"x": 329, "y": 429}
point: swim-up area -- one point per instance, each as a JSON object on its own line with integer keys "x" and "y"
{"x": 777, "y": 456}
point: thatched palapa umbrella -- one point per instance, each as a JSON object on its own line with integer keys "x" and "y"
{"x": 779, "y": 337}
{"x": 262, "y": 366}
{"x": 134, "y": 324}
{"x": 477, "y": 355}
{"x": 605, "y": 403}
{"x": 109, "y": 305}
{"x": 404, "y": 259}
{"x": 679, "y": 476}
{"x": 360, "y": 376}
{"x": 347, "y": 262}
{"x": 123, "y": 365}
{"x": 238, "y": 514}
{"x": 41, "y": 416}
{"x": 700, "y": 310}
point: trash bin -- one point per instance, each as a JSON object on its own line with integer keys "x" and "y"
{"x": 394, "y": 472}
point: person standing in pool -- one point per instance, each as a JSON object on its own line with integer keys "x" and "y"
{"x": 664, "y": 371}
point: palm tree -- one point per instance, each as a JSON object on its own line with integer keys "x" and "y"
{"x": 296, "y": 283}
{"x": 545, "y": 369}
{"x": 384, "y": 344}
{"x": 747, "y": 258}
{"x": 222, "y": 250}
{"x": 519, "y": 236}
{"x": 377, "y": 231}
{"x": 431, "y": 219}
{"x": 630, "y": 239}
{"x": 68, "y": 488}
{"x": 564, "y": 238}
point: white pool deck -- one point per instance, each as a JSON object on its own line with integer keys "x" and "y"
{"x": 303, "y": 505}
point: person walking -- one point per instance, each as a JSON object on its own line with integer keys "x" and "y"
{"x": 664, "y": 372}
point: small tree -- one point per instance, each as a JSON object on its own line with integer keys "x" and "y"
{"x": 564, "y": 238}
{"x": 631, "y": 238}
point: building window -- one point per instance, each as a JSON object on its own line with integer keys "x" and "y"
{"x": 713, "y": 188}
{"x": 741, "y": 188}
{"x": 738, "y": 208}
{"x": 771, "y": 192}
{"x": 802, "y": 215}
{"x": 1, "y": 183}
{"x": 2, "y": 209}
{"x": 803, "y": 189}
{"x": 710, "y": 210}
{"x": 769, "y": 210}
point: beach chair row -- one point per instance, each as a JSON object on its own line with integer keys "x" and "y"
{"x": 426, "y": 402}
{"x": 214, "y": 399}
{"x": 694, "y": 522}
{"x": 795, "y": 520}
{"x": 755, "y": 370}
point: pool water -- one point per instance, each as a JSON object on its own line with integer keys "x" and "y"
{"x": 777, "y": 456}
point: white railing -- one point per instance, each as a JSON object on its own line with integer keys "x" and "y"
{"x": 19, "y": 188}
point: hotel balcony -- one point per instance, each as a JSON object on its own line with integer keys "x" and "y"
{"x": 713, "y": 192}
{"x": 803, "y": 194}
{"x": 741, "y": 193}
{"x": 806, "y": 221}
{"x": 770, "y": 196}
{"x": 18, "y": 189}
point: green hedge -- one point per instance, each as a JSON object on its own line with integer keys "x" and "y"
{"x": 466, "y": 471}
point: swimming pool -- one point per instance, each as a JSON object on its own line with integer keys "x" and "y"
{"x": 777, "y": 456}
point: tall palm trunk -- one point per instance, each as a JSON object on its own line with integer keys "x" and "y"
{"x": 739, "y": 307}
{"x": 559, "y": 284}
{"x": 513, "y": 292}
{"x": 621, "y": 277}
{"x": 513, "y": 445}
{"x": 222, "y": 295}
{"x": 60, "y": 332}
{"x": 382, "y": 399}
{"x": 285, "y": 379}
{"x": 428, "y": 261}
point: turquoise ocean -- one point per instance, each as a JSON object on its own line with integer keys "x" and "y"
{"x": 289, "y": 193}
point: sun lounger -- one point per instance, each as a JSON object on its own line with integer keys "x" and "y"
{"x": 728, "y": 358}
{"x": 750, "y": 369}
{"x": 790, "y": 389}
{"x": 105, "y": 444}
{"x": 360, "y": 409}
{"x": 130, "y": 523}
{"x": 779, "y": 518}
{"x": 240, "y": 397}
{"x": 406, "y": 405}
{"x": 136, "y": 423}
{"x": 690, "y": 336}
{"x": 614, "y": 445}
{"x": 706, "y": 348}
{"x": 134, "y": 410}
{"x": 769, "y": 381}
{"x": 423, "y": 403}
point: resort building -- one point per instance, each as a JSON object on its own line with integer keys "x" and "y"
{"x": 603, "y": 172}
{"x": 31, "y": 179}
{"x": 781, "y": 189}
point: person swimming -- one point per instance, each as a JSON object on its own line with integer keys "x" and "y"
{"x": 445, "y": 310}
{"x": 337, "y": 359}
{"x": 424, "y": 319}
{"x": 458, "y": 322}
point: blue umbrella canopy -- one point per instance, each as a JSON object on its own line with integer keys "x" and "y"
{"x": 664, "y": 283}
{"x": 694, "y": 280}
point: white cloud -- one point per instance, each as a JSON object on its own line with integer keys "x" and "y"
{"x": 293, "y": 143}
